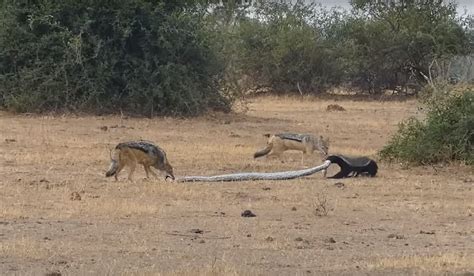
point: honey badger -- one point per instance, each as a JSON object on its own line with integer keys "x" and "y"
{"x": 353, "y": 166}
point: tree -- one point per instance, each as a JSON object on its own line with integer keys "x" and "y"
{"x": 281, "y": 48}
{"x": 400, "y": 39}
{"x": 142, "y": 56}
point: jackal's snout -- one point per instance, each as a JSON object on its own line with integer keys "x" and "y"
{"x": 169, "y": 171}
{"x": 324, "y": 145}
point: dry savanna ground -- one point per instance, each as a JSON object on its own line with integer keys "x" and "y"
{"x": 58, "y": 213}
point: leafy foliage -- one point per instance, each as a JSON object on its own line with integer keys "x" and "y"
{"x": 185, "y": 57}
{"x": 146, "y": 57}
{"x": 446, "y": 134}
{"x": 281, "y": 49}
{"x": 397, "y": 43}
{"x": 376, "y": 47}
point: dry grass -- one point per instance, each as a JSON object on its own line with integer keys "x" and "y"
{"x": 405, "y": 221}
{"x": 455, "y": 262}
{"x": 24, "y": 248}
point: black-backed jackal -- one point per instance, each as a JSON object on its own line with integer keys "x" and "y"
{"x": 139, "y": 152}
{"x": 278, "y": 143}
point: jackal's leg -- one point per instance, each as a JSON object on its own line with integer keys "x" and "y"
{"x": 274, "y": 154}
{"x": 307, "y": 151}
{"x": 120, "y": 167}
{"x": 154, "y": 174}
{"x": 133, "y": 165}
{"x": 146, "y": 170}
{"x": 150, "y": 170}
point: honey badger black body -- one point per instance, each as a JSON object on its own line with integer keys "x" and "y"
{"x": 353, "y": 166}
{"x": 139, "y": 152}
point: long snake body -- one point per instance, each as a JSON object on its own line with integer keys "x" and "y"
{"x": 250, "y": 176}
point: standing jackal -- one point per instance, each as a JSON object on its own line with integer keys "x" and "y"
{"x": 278, "y": 143}
{"x": 139, "y": 152}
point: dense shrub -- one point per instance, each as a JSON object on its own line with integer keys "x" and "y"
{"x": 446, "y": 134}
{"x": 146, "y": 57}
{"x": 376, "y": 47}
{"x": 157, "y": 57}
{"x": 391, "y": 45}
{"x": 281, "y": 48}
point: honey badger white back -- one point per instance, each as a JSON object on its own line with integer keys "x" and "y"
{"x": 139, "y": 152}
{"x": 278, "y": 143}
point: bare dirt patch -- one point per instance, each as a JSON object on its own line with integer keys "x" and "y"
{"x": 58, "y": 213}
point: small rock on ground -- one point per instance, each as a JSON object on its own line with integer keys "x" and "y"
{"x": 248, "y": 214}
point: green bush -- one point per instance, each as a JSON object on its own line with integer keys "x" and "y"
{"x": 447, "y": 133}
{"x": 139, "y": 56}
{"x": 394, "y": 47}
{"x": 284, "y": 44}
{"x": 281, "y": 48}
{"x": 182, "y": 58}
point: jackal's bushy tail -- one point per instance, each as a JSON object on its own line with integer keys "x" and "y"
{"x": 263, "y": 152}
{"x": 113, "y": 165}
{"x": 113, "y": 169}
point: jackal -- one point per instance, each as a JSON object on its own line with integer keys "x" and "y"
{"x": 139, "y": 152}
{"x": 278, "y": 143}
